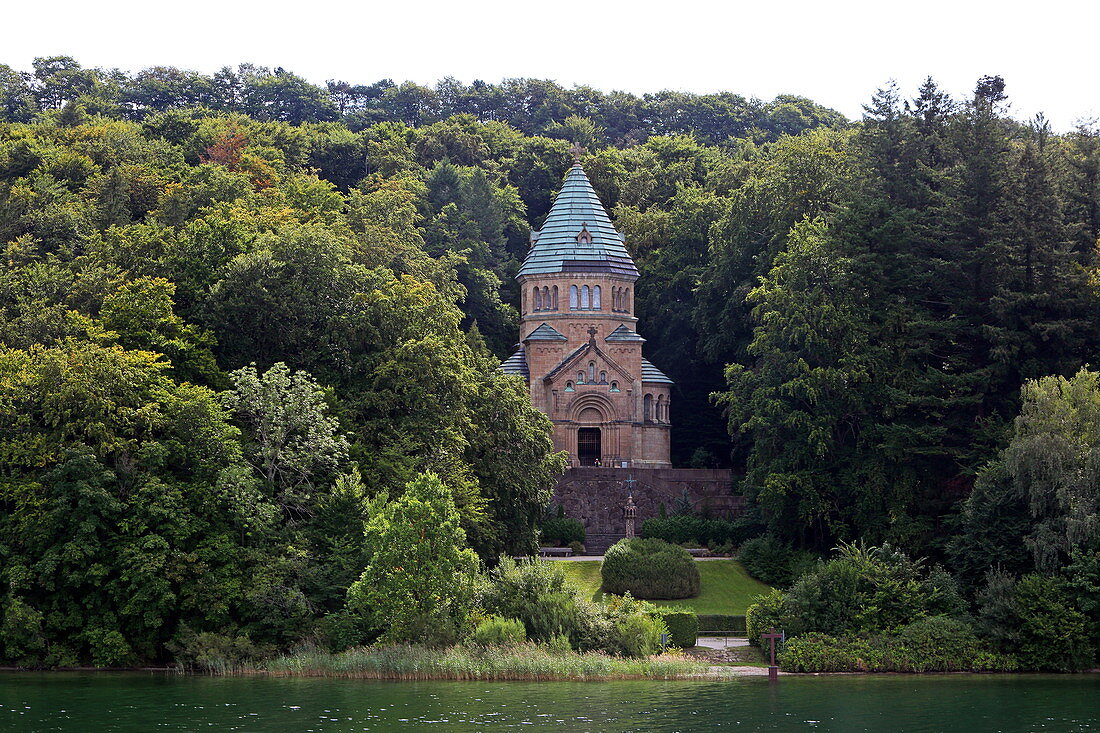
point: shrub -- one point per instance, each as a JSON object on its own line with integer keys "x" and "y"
{"x": 766, "y": 612}
{"x": 772, "y": 562}
{"x": 343, "y": 629}
{"x": 536, "y": 593}
{"x": 649, "y": 568}
{"x": 680, "y": 529}
{"x": 562, "y": 531}
{"x": 935, "y": 644}
{"x": 636, "y": 627}
{"x": 722, "y": 622}
{"x": 577, "y": 548}
{"x": 1053, "y": 634}
{"x": 497, "y": 631}
{"x": 683, "y": 626}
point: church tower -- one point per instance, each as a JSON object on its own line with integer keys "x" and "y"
{"x": 579, "y": 348}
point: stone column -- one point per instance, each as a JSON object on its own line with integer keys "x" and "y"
{"x": 631, "y": 512}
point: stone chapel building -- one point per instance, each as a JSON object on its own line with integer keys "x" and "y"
{"x": 579, "y": 349}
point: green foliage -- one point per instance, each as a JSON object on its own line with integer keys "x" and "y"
{"x": 651, "y": 569}
{"x": 1035, "y": 619}
{"x": 935, "y": 644}
{"x": 420, "y": 576}
{"x": 766, "y": 613}
{"x": 734, "y": 624}
{"x": 683, "y": 626}
{"x": 711, "y": 532}
{"x": 768, "y": 559}
{"x": 536, "y": 593}
{"x": 561, "y": 531}
{"x": 497, "y": 631}
{"x": 861, "y": 590}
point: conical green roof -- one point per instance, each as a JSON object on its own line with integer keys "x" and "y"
{"x": 562, "y": 246}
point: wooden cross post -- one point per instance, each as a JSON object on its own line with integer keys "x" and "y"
{"x": 771, "y": 636}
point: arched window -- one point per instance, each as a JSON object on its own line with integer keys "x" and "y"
{"x": 569, "y": 387}
{"x": 603, "y": 377}
{"x": 614, "y": 386}
{"x": 580, "y": 377}
{"x": 586, "y": 300}
{"x": 523, "y": 305}
{"x": 626, "y": 299}
{"x": 647, "y": 408}
{"x": 592, "y": 372}
{"x": 614, "y": 299}
{"x": 538, "y": 299}
{"x": 573, "y": 296}
{"x": 596, "y": 297}
{"x": 546, "y": 299}
{"x": 661, "y": 408}
{"x": 554, "y": 298}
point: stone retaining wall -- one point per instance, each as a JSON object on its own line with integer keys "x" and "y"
{"x": 596, "y": 496}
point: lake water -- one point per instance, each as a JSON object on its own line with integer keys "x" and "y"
{"x": 155, "y": 702}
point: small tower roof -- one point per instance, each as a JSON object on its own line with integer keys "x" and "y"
{"x": 622, "y": 333}
{"x": 578, "y": 235}
{"x": 652, "y": 374}
{"x": 516, "y": 363}
{"x": 546, "y": 332}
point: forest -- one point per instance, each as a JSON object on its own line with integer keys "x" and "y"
{"x": 241, "y": 313}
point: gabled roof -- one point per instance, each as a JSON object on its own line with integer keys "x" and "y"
{"x": 545, "y": 332}
{"x": 652, "y": 374}
{"x": 622, "y": 333}
{"x": 516, "y": 364}
{"x": 560, "y": 246}
{"x": 574, "y": 357}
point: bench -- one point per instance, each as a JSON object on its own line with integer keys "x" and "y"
{"x": 698, "y": 551}
{"x": 555, "y": 552}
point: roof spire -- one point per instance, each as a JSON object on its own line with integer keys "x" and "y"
{"x": 578, "y": 151}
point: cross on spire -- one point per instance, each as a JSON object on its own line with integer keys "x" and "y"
{"x": 592, "y": 333}
{"x": 578, "y": 151}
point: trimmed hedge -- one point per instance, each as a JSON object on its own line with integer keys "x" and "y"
{"x": 722, "y": 622}
{"x": 683, "y": 529}
{"x": 562, "y": 531}
{"x": 650, "y": 569}
{"x": 683, "y": 626}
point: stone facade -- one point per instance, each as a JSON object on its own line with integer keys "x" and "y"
{"x": 597, "y": 496}
{"x": 579, "y": 349}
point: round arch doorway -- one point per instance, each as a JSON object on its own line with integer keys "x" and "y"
{"x": 589, "y": 446}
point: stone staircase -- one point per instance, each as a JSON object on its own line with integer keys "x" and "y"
{"x": 597, "y": 544}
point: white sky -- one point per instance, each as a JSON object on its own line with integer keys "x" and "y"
{"x": 836, "y": 52}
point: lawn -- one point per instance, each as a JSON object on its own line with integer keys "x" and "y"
{"x": 726, "y": 587}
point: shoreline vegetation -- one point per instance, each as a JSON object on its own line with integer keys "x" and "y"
{"x": 524, "y": 662}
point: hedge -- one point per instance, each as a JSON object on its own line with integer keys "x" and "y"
{"x": 650, "y": 569}
{"x": 722, "y": 622}
{"x": 683, "y": 626}
{"x": 936, "y": 644}
{"x": 562, "y": 531}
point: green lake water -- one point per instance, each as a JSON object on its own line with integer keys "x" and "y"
{"x": 156, "y": 702}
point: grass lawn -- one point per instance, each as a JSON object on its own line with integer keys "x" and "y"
{"x": 726, "y": 587}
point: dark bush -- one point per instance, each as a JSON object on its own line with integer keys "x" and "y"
{"x": 766, "y": 612}
{"x": 683, "y": 626}
{"x": 772, "y": 562}
{"x": 648, "y": 568}
{"x": 561, "y": 531}
{"x": 722, "y": 622}
{"x": 1035, "y": 619}
{"x": 681, "y": 529}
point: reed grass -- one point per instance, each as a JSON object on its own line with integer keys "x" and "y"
{"x": 526, "y": 662}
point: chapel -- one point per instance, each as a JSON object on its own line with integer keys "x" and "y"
{"x": 579, "y": 348}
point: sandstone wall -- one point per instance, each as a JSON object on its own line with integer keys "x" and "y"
{"x": 596, "y": 496}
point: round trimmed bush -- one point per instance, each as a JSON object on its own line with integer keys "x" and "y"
{"x": 650, "y": 569}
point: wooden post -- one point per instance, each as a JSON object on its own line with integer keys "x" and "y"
{"x": 771, "y": 636}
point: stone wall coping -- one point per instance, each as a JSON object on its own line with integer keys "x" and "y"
{"x": 666, "y": 474}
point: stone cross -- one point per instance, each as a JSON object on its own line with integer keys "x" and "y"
{"x": 772, "y": 636}
{"x": 577, "y": 150}
{"x": 592, "y": 333}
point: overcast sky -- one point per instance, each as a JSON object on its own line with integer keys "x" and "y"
{"x": 836, "y": 53}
